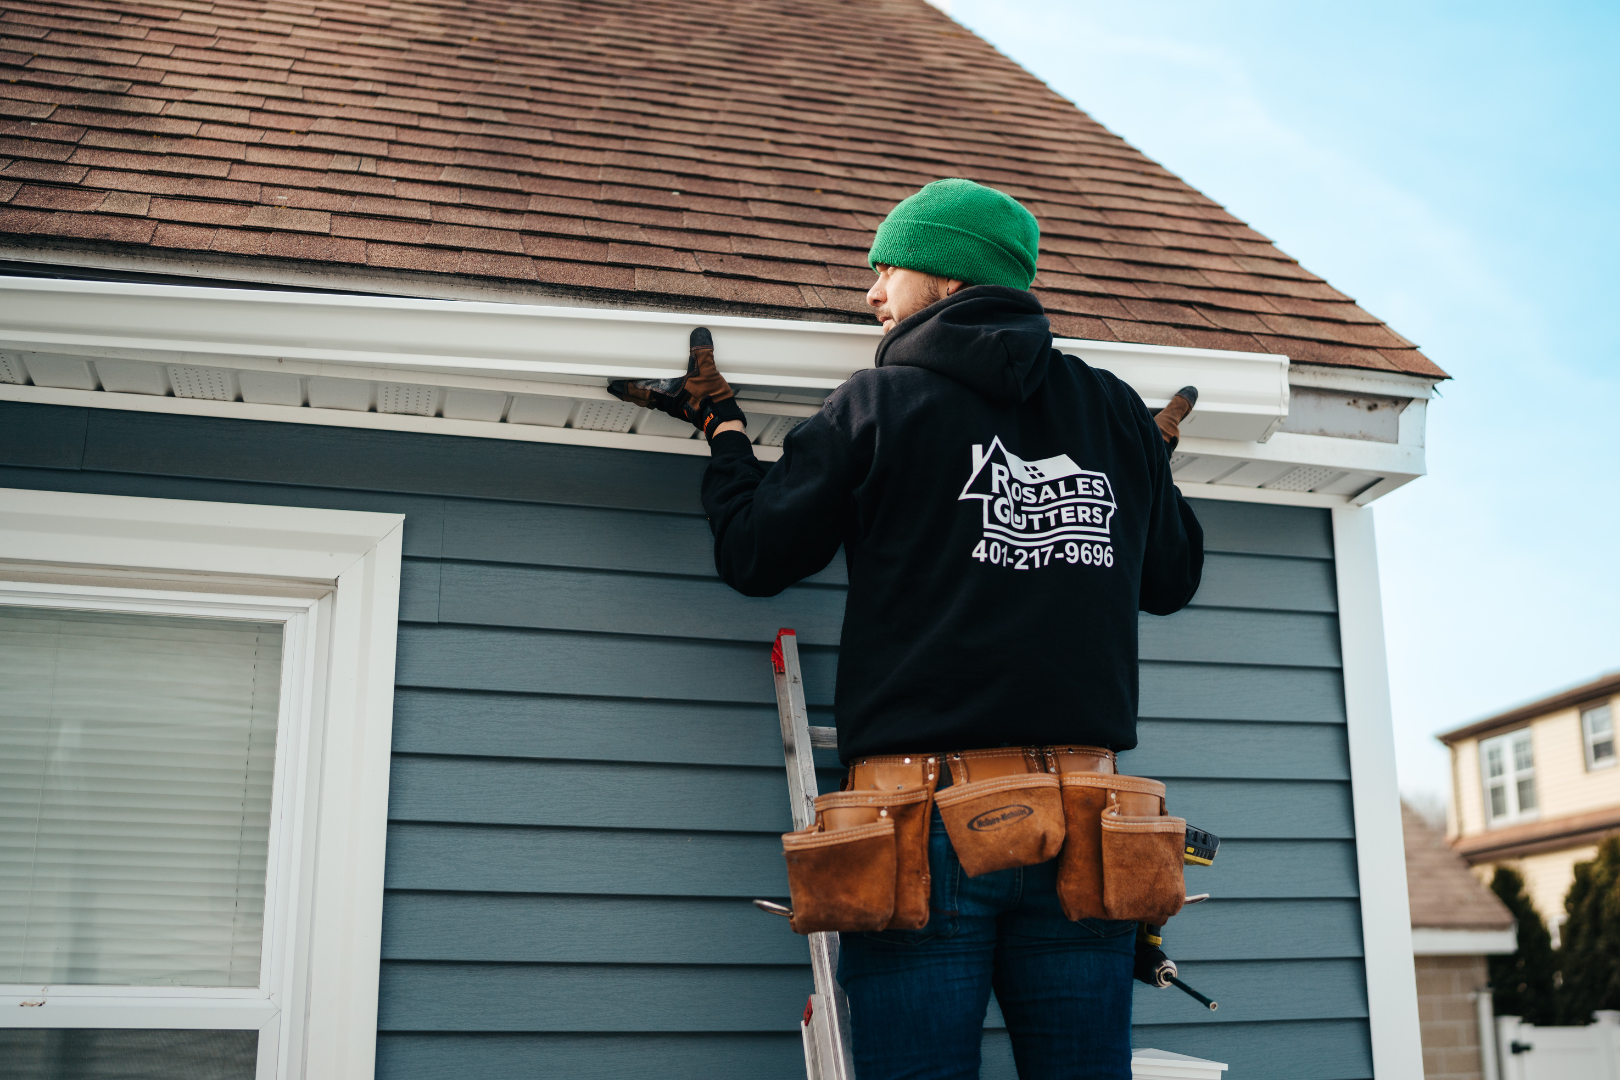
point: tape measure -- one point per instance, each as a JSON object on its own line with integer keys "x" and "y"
{"x": 1201, "y": 847}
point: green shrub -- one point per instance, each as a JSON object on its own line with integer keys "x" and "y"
{"x": 1524, "y": 984}
{"x": 1589, "y": 953}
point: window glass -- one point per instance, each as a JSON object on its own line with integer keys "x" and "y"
{"x": 127, "y": 1054}
{"x": 1508, "y": 764}
{"x": 1521, "y": 755}
{"x": 136, "y": 759}
{"x": 1597, "y": 725}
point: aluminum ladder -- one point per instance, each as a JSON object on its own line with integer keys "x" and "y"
{"x": 825, "y": 1027}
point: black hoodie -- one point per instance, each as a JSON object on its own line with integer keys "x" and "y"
{"x": 1005, "y": 510}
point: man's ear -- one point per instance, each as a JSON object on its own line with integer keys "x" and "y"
{"x": 952, "y": 285}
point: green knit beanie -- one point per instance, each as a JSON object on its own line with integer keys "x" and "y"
{"x": 962, "y": 230}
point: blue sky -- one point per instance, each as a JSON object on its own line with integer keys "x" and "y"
{"x": 1456, "y": 168}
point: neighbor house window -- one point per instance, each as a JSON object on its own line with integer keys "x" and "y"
{"x": 1597, "y": 728}
{"x": 1509, "y": 766}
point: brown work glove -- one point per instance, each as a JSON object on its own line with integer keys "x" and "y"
{"x": 1170, "y": 417}
{"x": 701, "y": 397}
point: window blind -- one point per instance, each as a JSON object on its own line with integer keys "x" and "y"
{"x": 136, "y": 760}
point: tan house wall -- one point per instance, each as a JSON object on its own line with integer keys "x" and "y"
{"x": 1547, "y": 878}
{"x": 1448, "y": 1016}
{"x": 1564, "y": 788}
{"x": 1564, "y": 785}
{"x": 1468, "y": 806}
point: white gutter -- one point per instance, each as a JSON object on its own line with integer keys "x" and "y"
{"x": 488, "y": 369}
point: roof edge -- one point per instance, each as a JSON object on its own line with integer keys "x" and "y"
{"x": 1517, "y": 841}
{"x": 1602, "y": 686}
{"x": 51, "y": 256}
{"x": 97, "y": 261}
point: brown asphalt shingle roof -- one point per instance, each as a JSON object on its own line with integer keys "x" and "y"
{"x": 669, "y": 152}
{"x": 1444, "y": 893}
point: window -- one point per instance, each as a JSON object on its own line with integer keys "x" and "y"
{"x": 194, "y": 729}
{"x": 137, "y": 754}
{"x": 1509, "y": 766}
{"x": 1597, "y": 729}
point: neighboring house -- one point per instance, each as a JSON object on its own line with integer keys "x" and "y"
{"x": 1535, "y": 788}
{"x": 1456, "y": 923}
{"x": 387, "y": 711}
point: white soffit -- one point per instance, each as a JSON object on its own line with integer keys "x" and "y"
{"x": 538, "y": 373}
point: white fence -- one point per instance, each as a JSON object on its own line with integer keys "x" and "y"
{"x": 1527, "y": 1052}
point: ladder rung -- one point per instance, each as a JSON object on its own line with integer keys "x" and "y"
{"x": 824, "y": 738}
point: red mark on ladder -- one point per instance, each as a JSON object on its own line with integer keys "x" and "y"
{"x": 777, "y": 660}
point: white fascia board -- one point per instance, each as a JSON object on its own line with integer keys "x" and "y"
{"x": 106, "y": 344}
{"x": 1436, "y": 941}
{"x": 1362, "y": 381}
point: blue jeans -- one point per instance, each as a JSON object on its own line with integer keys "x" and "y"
{"x": 917, "y": 998}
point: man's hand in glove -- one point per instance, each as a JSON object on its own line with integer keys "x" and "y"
{"x": 1170, "y": 417}
{"x": 700, "y": 397}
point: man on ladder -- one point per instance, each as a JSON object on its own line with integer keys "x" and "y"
{"x": 1005, "y": 511}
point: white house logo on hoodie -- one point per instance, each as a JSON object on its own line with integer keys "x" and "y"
{"x": 1037, "y": 511}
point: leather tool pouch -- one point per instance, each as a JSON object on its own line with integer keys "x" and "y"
{"x": 1086, "y": 774}
{"x": 839, "y": 877}
{"x": 1142, "y": 850}
{"x": 902, "y": 788}
{"x": 1003, "y": 809}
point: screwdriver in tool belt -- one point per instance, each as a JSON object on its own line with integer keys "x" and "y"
{"x": 1152, "y": 966}
{"x": 1156, "y": 969}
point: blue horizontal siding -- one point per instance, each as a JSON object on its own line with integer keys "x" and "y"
{"x": 567, "y": 728}
{"x": 581, "y": 1056}
{"x": 647, "y": 929}
{"x": 587, "y": 780}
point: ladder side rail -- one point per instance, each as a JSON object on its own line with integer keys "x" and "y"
{"x": 831, "y": 1023}
{"x": 796, "y": 749}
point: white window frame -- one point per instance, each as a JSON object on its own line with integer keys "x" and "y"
{"x": 332, "y": 578}
{"x": 1513, "y": 777}
{"x": 1587, "y": 738}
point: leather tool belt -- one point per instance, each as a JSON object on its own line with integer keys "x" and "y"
{"x": 863, "y": 864}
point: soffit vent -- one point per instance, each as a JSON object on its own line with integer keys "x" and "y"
{"x": 1304, "y": 478}
{"x": 210, "y": 384}
{"x": 604, "y": 416}
{"x": 776, "y": 429}
{"x": 408, "y": 400}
